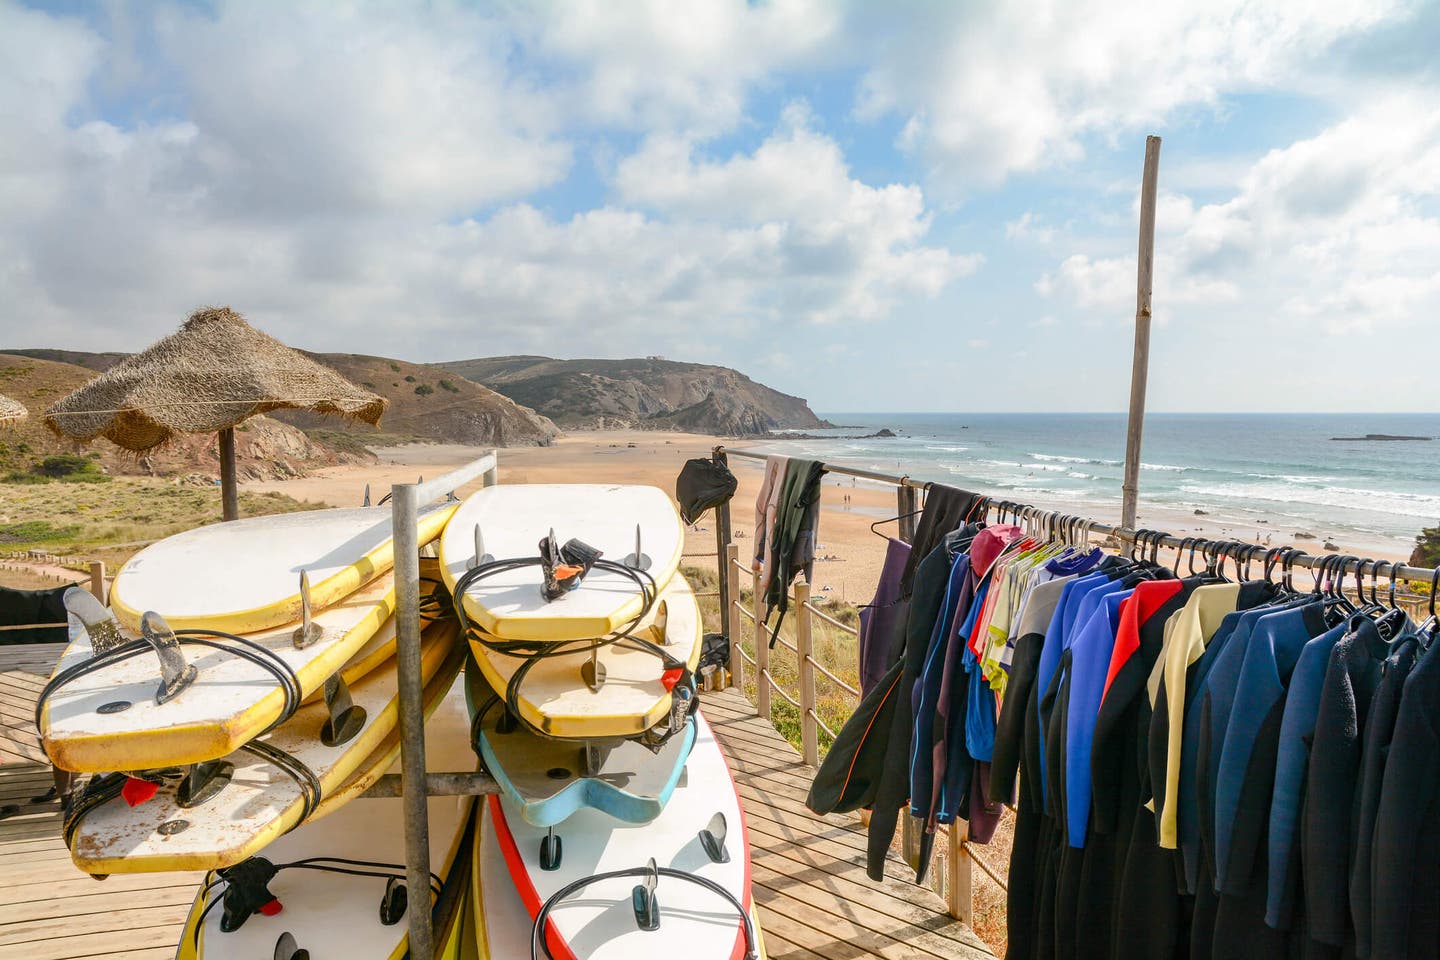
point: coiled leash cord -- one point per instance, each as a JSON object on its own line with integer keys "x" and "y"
{"x": 532, "y": 652}
{"x": 246, "y": 649}
{"x": 537, "y": 943}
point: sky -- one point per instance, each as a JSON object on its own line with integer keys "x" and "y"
{"x": 907, "y": 206}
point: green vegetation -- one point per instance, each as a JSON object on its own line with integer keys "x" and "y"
{"x": 424, "y": 390}
{"x": 833, "y": 647}
{"x": 395, "y": 367}
{"x": 65, "y": 467}
{"x": 111, "y": 522}
{"x": 449, "y": 386}
{"x": 1427, "y": 548}
{"x": 410, "y": 379}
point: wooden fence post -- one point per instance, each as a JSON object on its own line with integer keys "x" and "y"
{"x": 959, "y": 895}
{"x": 804, "y": 650}
{"x": 762, "y": 651}
{"x": 97, "y": 579}
{"x": 732, "y": 615}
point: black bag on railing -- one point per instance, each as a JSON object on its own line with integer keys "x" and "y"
{"x": 702, "y": 484}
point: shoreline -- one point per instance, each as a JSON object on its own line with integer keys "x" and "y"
{"x": 849, "y": 554}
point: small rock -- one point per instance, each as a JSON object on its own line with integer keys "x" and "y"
{"x": 1302, "y": 535}
{"x": 1202, "y": 513}
{"x": 1330, "y": 545}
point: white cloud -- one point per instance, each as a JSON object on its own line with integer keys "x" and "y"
{"x": 1030, "y": 226}
{"x": 1338, "y": 228}
{"x": 986, "y": 90}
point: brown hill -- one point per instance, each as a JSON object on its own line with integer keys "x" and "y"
{"x": 264, "y": 448}
{"x": 431, "y": 404}
{"x": 648, "y": 392}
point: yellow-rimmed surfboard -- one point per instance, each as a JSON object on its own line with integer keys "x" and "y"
{"x": 243, "y": 576}
{"x": 512, "y": 520}
{"x": 259, "y": 800}
{"x": 555, "y": 699}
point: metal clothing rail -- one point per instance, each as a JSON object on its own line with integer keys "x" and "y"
{"x": 1335, "y": 565}
{"x": 416, "y": 784}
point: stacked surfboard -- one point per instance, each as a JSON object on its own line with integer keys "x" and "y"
{"x": 231, "y": 705}
{"x": 617, "y": 832}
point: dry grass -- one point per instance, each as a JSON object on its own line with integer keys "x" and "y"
{"x": 110, "y": 521}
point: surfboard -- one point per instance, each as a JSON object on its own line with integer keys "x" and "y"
{"x": 261, "y": 801}
{"x": 338, "y": 915}
{"x": 497, "y": 924}
{"x": 598, "y": 922}
{"x": 109, "y": 719}
{"x": 513, "y": 518}
{"x": 549, "y": 780}
{"x": 555, "y": 699}
{"x": 244, "y": 576}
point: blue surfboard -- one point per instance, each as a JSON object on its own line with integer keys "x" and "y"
{"x": 550, "y": 780}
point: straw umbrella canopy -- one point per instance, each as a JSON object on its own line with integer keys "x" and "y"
{"x": 11, "y": 411}
{"x": 212, "y": 374}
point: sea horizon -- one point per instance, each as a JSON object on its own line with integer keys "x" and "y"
{"x": 1255, "y": 476}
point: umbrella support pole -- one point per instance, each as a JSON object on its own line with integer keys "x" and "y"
{"x": 229, "y": 494}
{"x": 416, "y": 786}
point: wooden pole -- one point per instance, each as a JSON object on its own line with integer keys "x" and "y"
{"x": 229, "y": 494}
{"x": 804, "y": 651}
{"x": 762, "y": 650}
{"x": 97, "y": 579}
{"x": 1140, "y": 367}
{"x": 732, "y": 615}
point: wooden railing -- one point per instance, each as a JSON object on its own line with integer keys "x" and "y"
{"x": 950, "y": 873}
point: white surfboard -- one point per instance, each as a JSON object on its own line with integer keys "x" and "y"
{"x": 599, "y": 922}
{"x": 335, "y": 915}
{"x": 261, "y": 801}
{"x": 109, "y": 719}
{"x": 555, "y": 699}
{"x": 512, "y": 521}
{"x": 244, "y": 576}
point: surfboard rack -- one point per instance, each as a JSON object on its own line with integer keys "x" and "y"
{"x": 637, "y": 560}
{"x": 551, "y": 850}
{"x": 309, "y": 631}
{"x": 346, "y": 717}
{"x": 643, "y": 900}
{"x": 712, "y": 839}
{"x": 175, "y": 673}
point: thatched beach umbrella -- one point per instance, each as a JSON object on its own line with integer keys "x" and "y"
{"x": 11, "y": 411}
{"x": 212, "y": 374}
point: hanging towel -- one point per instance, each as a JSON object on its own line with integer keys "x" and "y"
{"x": 765, "y": 505}
{"x": 879, "y": 617}
{"x": 792, "y": 539}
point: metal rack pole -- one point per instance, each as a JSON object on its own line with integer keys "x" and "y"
{"x": 406, "y": 499}
{"x": 1125, "y": 535}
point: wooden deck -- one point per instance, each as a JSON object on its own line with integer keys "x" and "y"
{"x": 809, "y": 880}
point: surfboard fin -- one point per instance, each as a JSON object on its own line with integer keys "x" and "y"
{"x": 551, "y": 851}
{"x": 593, "y": 671}
{"x": 175, "y": 673}
{"x": 286, "y": 948}
{"x": 367, "y": 496}
{"x": 346, "y": 717}
{"x": 99, "y": 623}
{"x": 480, "y": 555}
{"x": 203, "y": 781}
{"x": 637, "y": 560}
{"x": 712, "y": 839}
{"x": 309, "y": 631}
{"x": 659, "y": 627}
{"x": 394, "y": 902}
{"x": 644, "y": 901}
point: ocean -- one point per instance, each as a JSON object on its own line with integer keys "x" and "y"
{"x": 1260, "y": 474}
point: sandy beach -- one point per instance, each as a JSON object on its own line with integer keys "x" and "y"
{"x": 850, "y": 553}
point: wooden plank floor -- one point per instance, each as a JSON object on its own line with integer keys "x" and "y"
{"x": 809, "y": 879}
